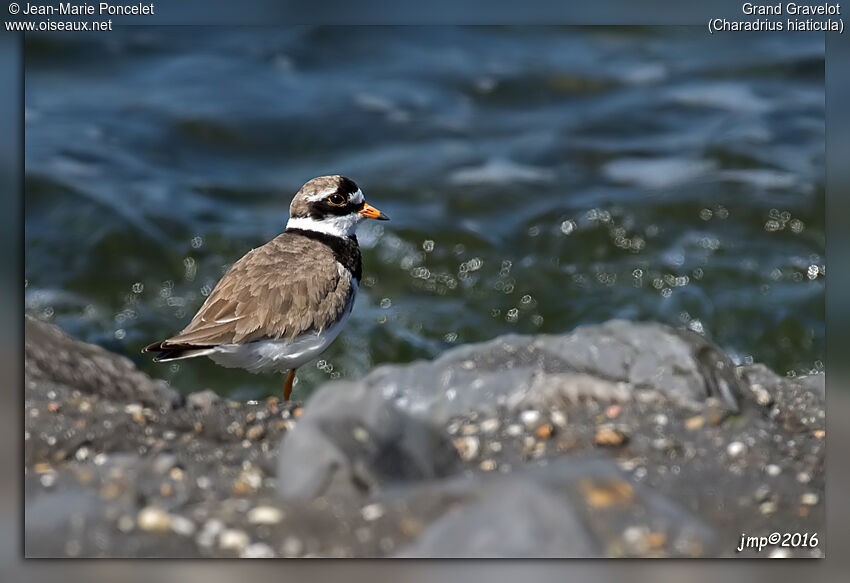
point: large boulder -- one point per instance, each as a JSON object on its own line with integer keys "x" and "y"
{"x": 399, "y": 410}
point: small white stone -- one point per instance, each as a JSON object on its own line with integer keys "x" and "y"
{"x": 360, "y": 434}
{"x": 772, "y": 470}
{"x": 253, "y": 478}
{"x": 133, "y": 409}
{"x": 264, "y": 515}
{"x": 809, "y": 499}
{"x": 182, "y": 525}
{"x": 514, "y": 430}
{"x": 735, "y": 449}
{"x": 372, "y": 512}
{"x": 804, "y": 478}
{"x": 257, "y": 551}
{"x": 211, "y": 528}
{"x": 467, "y": 447}
{"x": 558, "y": 418}
{"x": 233, "y": 540}
{"x": 153, "y": 519}
{"x": 490, "y": 425}
{"x": 529, "y": 417}
{"x": 634, "y": 534}
{"x": 126, "y": 523}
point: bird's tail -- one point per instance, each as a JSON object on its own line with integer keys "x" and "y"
{"x": 171, "y": 352}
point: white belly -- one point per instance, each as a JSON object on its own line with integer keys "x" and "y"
{"x": 278, "y": 355}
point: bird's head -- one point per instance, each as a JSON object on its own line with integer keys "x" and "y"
{"x": 331, "y": 204}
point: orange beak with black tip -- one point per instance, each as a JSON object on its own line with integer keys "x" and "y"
{"x": 371, "y": 212}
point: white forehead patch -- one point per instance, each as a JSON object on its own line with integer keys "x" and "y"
{"x": 321, "y": 195}
{"x": 357, "y": 197}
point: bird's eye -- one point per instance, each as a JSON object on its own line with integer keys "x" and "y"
{"x": 336, "y": 199}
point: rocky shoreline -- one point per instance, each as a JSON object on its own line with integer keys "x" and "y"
{"x": 623, "y": 439}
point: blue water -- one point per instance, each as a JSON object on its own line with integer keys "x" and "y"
{"x": 537, "y": 178}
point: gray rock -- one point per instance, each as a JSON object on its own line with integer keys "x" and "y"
{"x": 615, "y": 361}
{"x": 395, "y": 408}
{"x": 51, "y": 355}
{"x": 512, "y": 518}
{"x": 351, "y": 437}
{"x": 571, "y": 507}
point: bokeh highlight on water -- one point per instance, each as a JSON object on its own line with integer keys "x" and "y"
{"x": 538, "y": 179}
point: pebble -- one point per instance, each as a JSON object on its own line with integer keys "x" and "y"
{"x": 558, "y": 418}
{"x": 761, "y": 494}
{"x": 662, "y": 444}
{"x": 372, "y": 512}
{"x": 257, "y": 551}
{"x": 133, "y": 409}
{"x": 694, "y": 423}
{"x": 514, "y": 430}
{"x": 610, "y": 437}
{"x": 202, "y": 399}
{"x": 809, "y": 499}
{"x": 735, "y": 449}
{"x": 469, "y": 429}
{"x": 126, "y": 523}
{"x": 490, "y": 425}
{"x": 265, "y": 515}
{"x": 637, "y": 539}
{"x": 545, "y": 431}
{"x": 153, "y": 519}
{"x": 529, "y": 417}
{"x": 233, "y": 539}
{"x": 182, "y": 525}
{"x": 360, "y": 434}
{"x": 211, "y": 528}
{"x": 467, "y": 447}
{"x": 291, "y": 547}
{"x": 768, "y": 507}
{"x": 804, "y": 478}
{"x": 487, "y": 465}
{"x": 762, "y": 396}
{"x": 255, "y": 432}
{"x": 164, "y": 462}
{"x": 772, "y": 470}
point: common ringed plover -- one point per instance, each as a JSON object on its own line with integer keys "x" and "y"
{"x": 282, "y": 304}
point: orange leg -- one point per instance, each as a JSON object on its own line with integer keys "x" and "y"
{"x": 287, "y": 386}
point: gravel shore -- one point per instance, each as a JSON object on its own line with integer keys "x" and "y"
{"x": 622, "y": 439}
